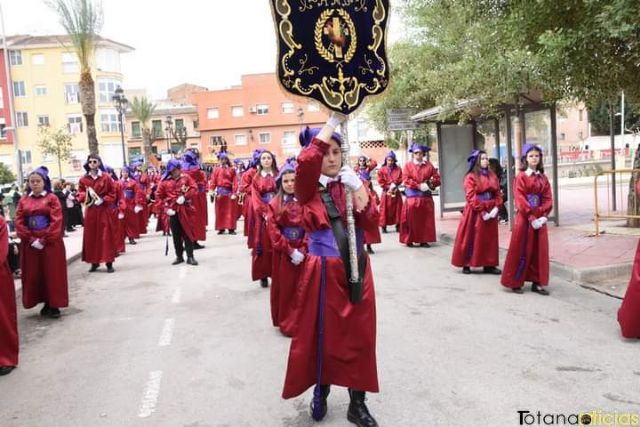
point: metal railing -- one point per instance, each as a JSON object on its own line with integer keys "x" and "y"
{"x": 617, "y": 191}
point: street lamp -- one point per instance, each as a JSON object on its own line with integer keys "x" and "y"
{"x": 168, "y": 129}
{"x": 121, "y": 102}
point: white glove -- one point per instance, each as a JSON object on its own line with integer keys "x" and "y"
{"x": 536, "y": 224}
{"x": 494, "y": 212}
{"x": 296, "y": 257}
{"x": 120, "y": 215}
{"x": 393, "y": 186}
{"x": 180, "y": 200}
{"x": 486, "y": 216}
{"x": 424, "y": 187}
{"x": 137, "y": 209}
{"x": 233, "y": 197}
{"x": 543, "y": 220}
{"x": 349, "y": 178}
{"x": 37, "y": 244}
{"x": 98, "y": 201}
{"x": 171, "y": 212}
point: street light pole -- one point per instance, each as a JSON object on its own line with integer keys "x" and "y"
{"x": 169, "y": 122}
{"x": 121, "y": 103}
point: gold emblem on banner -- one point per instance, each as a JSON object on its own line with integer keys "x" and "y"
{"x": 335, "y": 31}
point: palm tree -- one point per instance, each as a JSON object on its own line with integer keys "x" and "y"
{"x": 142, "y": 110}
{"x": 82, "y": 20}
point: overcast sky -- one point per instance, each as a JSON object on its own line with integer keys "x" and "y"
{"x": 206, "y": 42}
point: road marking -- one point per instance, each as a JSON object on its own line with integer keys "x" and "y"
{"x": 150, "y": 395}
{"x": 167, "y": 333}
{"x": 177, "y": 294}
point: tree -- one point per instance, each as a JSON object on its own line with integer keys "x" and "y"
{"x": 55, "y": 143}
{"x": 6, "y": 175}
{"x": 82, "y": 20}
{"x": 142, "y": 110}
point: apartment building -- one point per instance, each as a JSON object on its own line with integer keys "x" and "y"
{"x": 44, "y": 72}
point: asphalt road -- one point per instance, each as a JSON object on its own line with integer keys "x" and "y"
{"x": 161, "y": 345}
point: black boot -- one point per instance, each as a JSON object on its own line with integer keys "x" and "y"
{"x": 197, "y": 245}
{"x": 397, "y": 228}
{"x": 384, "y": 229}
{"x": 178, "y": 260}
{"x": 466, "y": 270}
{"x": 491, "y": 270}
{"x": 54, "y": 313}
{"x": 370, "y": 249}
{"x": 232, "y": 231}
{"x": 220, "y": 232}
{"x": 110, "y": 267}
{"x": 537, "y": 288}
{"x": 425, "y": 245}
{"x": 94, "y": 267}
{"x": 6, "y": 370}
{"x": 132, "y": 241}
{"x": 264, "y": 283}
{"x": 358, "y": 412}
{"x": 324, "y": 393}
{"x": 191, "y": 261}
{"x": 45, "y": 310}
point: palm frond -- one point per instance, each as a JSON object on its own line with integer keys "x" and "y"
{"x": 142, "y": 109}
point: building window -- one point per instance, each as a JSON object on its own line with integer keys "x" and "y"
{"x": 18, "y": 89}
{"x": 313, "y": 107}
{"x": 288, "y": 107}
{"x": 215, "y": 140}
{"x": 108, "y": 60}
{"x": 37, "y": 59}
{"x": 3, "y": 133}
{"x": 15, "y": 57}
{"x": 580, "y": 111}
{"x": 262, "y": 109}
{"x": 41, "y": 90}
{"x": 22, "y": 119}
{"x": 109, "y": 121}
{"x": 240, "y": 139}
{"x": 25, "y": 156}
{"x": 74, "y": 123}
{"x": 43, "y": 120}
{"x": 70, "y": 63}
{"x": 135, "y": 130}
{"x": 265, "y": 138}
{"x": 107, "y": 89}
{"x": 179, "y": 124}
{"x": 71, "y": 93}
{"x": 156, "y": 126}
{"x": 195, "y": 124}
{"x": 213, "y": 113}
{"x": 289, "y": 140}
{"x": 237, "y": 111}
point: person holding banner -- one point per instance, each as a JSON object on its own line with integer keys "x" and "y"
{"x": 476, "y": 242}
{"x": 97, "y": 191}
{"x": 222, "y": 184}
{"x": 418, "y": 222}
{"x": 528, "y": 254}
{"x": 390, "y": 179}
{"x": 335, "y": 341}
{"x": 43, "y": 261}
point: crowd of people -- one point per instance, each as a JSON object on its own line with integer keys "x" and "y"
{"x": 295, "y": 220}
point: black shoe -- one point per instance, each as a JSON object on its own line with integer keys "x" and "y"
{"x": 397, "y": 228}
{"x": 370, "y": 249}
{"x": 94, "y": 267}
{"x": 535, "y": 287}
{"x": 45, "y": 310}
{"x": 54, "y": 313}
{"x": 410, "y": 245}
{"x": 197, "y": 245}
{"x": 6, "y": 370}
{"x": 466, "y": 270}
{"x": 322, "y": 411}
{"x": 491, "y": 270}
{"x": 264, "y": 283}
{"x": 110, "y": 268}
{"x": 178, "y": 260}
{"x": 232, "y": 232}
{"x": 192, "y": 261}
{"x": 220, "y": 232}
{"x": 132, "y": 242}
{"x": 384, "y": 230}
{"x": 69, "y": 230}
{"x": 358, "y": 412}
{"x": 425, "y": 245}
{"x": 517, "y": 290}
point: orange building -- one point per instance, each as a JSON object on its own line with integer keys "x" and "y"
{"x": 256, "y": 114}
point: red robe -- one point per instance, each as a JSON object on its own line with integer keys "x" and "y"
{"x": 418, "y": 221}
{"x": 285, "y": 275}
{"x": 629, "y": 312}
{"x": 8, "y": 312}
{"x": 169, "y": 191}
{"x": 97, "y": 238}
{"x": 199, "y": 202}
{"x": 390, "y": 207}
{"x": 349, "y": 347}
{"x": 143, "y": 218}
{"x": 247, "y": 209}
{"x": 223, "y": 180}
{"x": 44, "y": 272}
{"x": 476, "y": 242}
{"x": 262, "y": 186}
{"x": 372, "y": 236}
{"x": 118, "y": 224}
{"x": 131, "y": 197}
{"x": 528, "y": 255}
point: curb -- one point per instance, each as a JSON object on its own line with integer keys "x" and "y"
{"x": 572, "y": 274}
{"x": 71, "y": 259}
